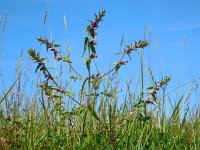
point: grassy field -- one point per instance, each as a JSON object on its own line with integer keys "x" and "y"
{"x": 53, "y": 116}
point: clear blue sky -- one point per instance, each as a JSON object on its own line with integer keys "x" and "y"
{"x": 173, "y": 21}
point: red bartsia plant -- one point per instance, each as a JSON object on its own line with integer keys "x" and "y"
{"x": 53, "y": 90}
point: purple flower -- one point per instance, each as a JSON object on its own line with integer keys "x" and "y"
{"x": 50, "y": 45}
{"x": 152, "y": 92}
{"x": 59, "y": 90}
{"x": 94, "y": 24}
{"x": 94, "y": 42}
{"x": 149, "y": 101}
{"x": 58, "y": 58}
{"x": 123, "y": 62}
{"x": 46, "y": 75}
{"x": 93, "y": 56}
{"x": 54, "y": 50}
{"x": 42, "y": 67}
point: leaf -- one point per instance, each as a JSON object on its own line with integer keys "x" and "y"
{"x": 122, "y": 40}
{"x": 149, "y": 88}
{"x": 85, "y": 45}
{"x": 57, "y": 96}
{"x": 38, "y": 66}
{"x": 110, "y": 94}
{"x": 117, "y": 67}
{"x": 74, "y": 77}
{"x": 119, "y": 53}
{"x": 87, "y": 62}
{"x": 55, "y": 54}
{"x": 94, "y": 114}
{"x": 82, "y": 87}
{"x": 92, "y": 48}
{"x": 69, "y": 93}
{"x": 129, "y": 56}
{"x": 66, "y": 59}
{"x": 45, "y": 17}
{"x": 57, "y": 45}
{"x": 140, "y": 103}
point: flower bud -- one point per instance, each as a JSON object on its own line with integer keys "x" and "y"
{"x": 123, "y": 62}
{"x": 93, "y": 56}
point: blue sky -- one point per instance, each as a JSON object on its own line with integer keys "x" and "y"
{"x": 171, "y": 22}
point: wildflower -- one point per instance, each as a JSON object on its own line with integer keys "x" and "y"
{"x": 93, "y": 42}
{"x": 59, "y": 90}
{"x": 152, "y": 92}
{"x": 123, "y": 62}
{"x": 46, "y": 75}
{"x": 58, "y": 58}
{"x": 94, "y": 24}
{"x": 50, "y": 45}
{"x": 42, "y": 67}
{"x": 149, "y": 101}
{"x": 93, "y": 56}
{"x": 54, "y": 50}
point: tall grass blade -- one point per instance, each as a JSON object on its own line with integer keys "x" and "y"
{"x": 8, "y": 91}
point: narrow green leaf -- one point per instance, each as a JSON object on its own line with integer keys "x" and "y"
{"x": 149, "y": 88}
{"x": 85, "y": 45}
{"x": 74, "y": 77}
{"x": 92, "y": 48}
{"x": 66, "y": 59}
{"x": 57, "y": 45}
{"x": 119, "y": 53}
{"x": 129, "y": 56}
{"x": 83, "y": 85}
{"x": 140, "y": 103}
{"x": 38, "y": 66}
{"x": 117, "y": 66}
{"x": 94, "y": 114}
{"x": 87, "y": 62}
{"x": 122, "y": 40}
{"x": 45, "y": 17}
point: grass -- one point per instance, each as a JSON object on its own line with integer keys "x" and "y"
{"x": 55, "y": 117}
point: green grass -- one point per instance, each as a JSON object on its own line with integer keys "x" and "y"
{"x": 53, "y": 116}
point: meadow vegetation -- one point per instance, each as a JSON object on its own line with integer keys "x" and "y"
{"x": 53, "y": 116}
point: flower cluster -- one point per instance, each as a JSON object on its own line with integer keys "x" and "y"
{"x": 92, "y": 32}
{"x": 132, "y": 47}
{"x": 92, "y": 28}
{"x": 153, "y": 90}
{"x": 50, "y": 46}
{"x": 60, "y": 90}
